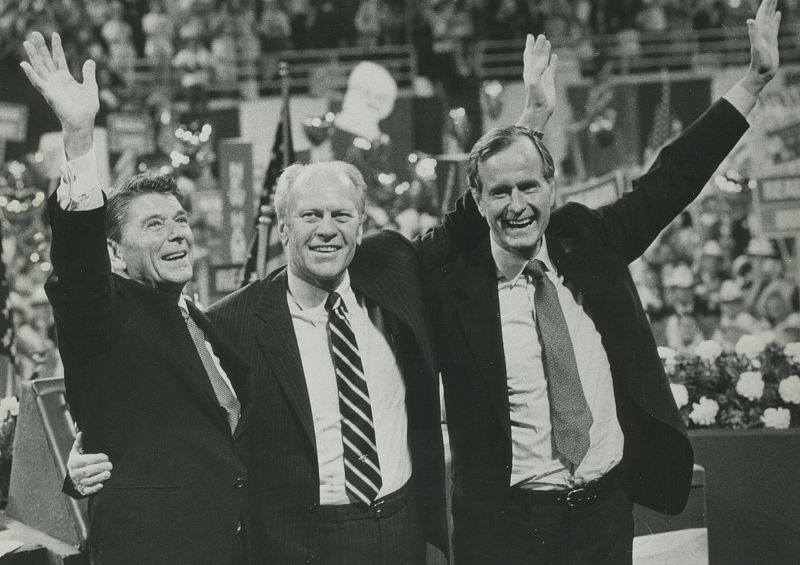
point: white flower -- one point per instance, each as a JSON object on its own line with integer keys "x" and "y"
{"x": 750, "y": 345}
{"x": 708, "y": 350}
{"x": 8, "y": 406}
{"x": 667, "y": 355}
{"x": 755, "y": 363}
{"x": 680, "y": 394}
{"x": 778, "y": 418}
{"x": 792, "y": 350}
{"x": 750, "y": 385}
{"x": 704, "y": 412}
{"x": 789, "y": 389}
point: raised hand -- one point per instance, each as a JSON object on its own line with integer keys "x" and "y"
{"x": 75, "y": 104}
{"x": 763, "y": 32}
{"x": 538, "y": 74}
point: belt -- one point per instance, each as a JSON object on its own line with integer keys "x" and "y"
{"x": 381, "y": 508}
{"x": 578, "y": 497}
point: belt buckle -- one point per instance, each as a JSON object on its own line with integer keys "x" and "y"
{"x": 575, "y": 499}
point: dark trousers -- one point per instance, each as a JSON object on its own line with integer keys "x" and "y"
{"x": 388, "y": 532}
{"x": 489, "y": 531}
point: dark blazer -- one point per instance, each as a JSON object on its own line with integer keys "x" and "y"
{"x": 591, "y": 249}
{"x": 137, "y": 388}
{"x": 385, "y": 270}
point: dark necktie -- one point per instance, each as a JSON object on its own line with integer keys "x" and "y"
{"x": 227, "y": 400}
{"x": 362, "y": 471}
{"x": 569, "y": 411}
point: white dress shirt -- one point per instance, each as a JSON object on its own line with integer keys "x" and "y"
{"x": 535, "y": 463}
{"x": 387, "y": 391}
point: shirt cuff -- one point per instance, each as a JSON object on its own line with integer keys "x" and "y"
{"x": 79, "y": 189}
{"x": 740, "y": 99}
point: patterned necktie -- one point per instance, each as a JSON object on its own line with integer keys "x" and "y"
{"x": 227, "y": 400}
{"x": 362, "y": 471}
{"x": 569, "y": 411}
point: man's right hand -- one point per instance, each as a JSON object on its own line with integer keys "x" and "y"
{"x": 538, "y": 75}
{"x": 75, "y": 104}
{"x": 87, "y": 471}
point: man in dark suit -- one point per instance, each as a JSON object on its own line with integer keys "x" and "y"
{"x": 558, "y": 408}
{"x": 150, "y": 381}
{"x": 315, "y": 502}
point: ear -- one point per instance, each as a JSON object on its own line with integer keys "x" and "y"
{"x": 360, "y": 234}
{"x": 283, "y": 232}
{"x": 118, "y": 263}
{"x": 553, "y": 195}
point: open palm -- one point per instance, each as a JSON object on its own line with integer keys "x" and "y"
{"x": 763, "y": 31}
{"x": 75, "y": 104}
{"x": 538, "y": 74}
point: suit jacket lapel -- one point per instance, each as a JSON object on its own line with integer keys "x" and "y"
{"x": 478, "y": 312}
{"x": 276, "y": 336}
{"x": 234, "y": 365}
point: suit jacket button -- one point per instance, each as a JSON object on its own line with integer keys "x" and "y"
{"x": 239, "y": 482}
{"x": 310, "y": 558}
{"x": 238, "y": 529}
{"x": 313, "y": 507}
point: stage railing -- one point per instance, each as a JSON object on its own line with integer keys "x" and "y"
{"x": 632, "y": 52}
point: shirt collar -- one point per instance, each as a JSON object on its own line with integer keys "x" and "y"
{"x": 510, "y": 265}
{"x": 308, "y": 301}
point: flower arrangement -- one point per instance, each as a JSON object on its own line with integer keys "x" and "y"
{"x": 757, "y": 385}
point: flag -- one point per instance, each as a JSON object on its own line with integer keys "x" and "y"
{"x": 276, "y": 160}
{"x": 662, "y": 122}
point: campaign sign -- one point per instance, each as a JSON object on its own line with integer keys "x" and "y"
{"x": 777, "y": 204}
{"x": 236, "y": 186}
{"x": 13, "y": 122}
{"x": 595, "y": 192}
{"x": 130, "y": 132}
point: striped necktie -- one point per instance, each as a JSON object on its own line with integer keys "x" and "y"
{"x": 225, "y": 396}
{"x": 362, "y": 471}
{"x": 569, "y": 411}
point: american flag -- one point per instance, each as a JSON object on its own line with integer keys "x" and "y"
{"x": 662, "y": 121}
{"x": 276, "y": 162}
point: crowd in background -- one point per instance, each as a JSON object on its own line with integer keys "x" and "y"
{"x": 706, "y": 277}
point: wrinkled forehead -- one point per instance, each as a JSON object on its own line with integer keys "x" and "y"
{"x": 519, "y": 157}
{"x": 152, "y": 203}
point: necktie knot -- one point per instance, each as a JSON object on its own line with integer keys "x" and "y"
{"x": 537, "y": 269}
{"x": 334, "y": 303}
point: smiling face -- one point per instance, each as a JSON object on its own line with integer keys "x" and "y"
{"x": 515, "y": 197}
{"x": 322, "y": 227}
{"x": 155, "y": 246}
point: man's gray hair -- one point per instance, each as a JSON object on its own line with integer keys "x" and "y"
{"x": 290, "y": 175}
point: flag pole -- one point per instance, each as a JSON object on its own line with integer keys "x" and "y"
{"x": 283, "y": 73}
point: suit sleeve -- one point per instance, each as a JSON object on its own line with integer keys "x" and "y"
{"x": 461, "y": 229}
{"x": 678, "y": 175}
{"x": 80, "y": 286}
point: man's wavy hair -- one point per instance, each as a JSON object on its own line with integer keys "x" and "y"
{"x": 132, "y": 187}
{"x": 496, "y": 140}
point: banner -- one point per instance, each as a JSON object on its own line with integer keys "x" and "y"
{"x": 777, "y": 205}
{"x": 594, "y": 192}
{"x": 130, "y": 132}
{"x": 236, "y": 186}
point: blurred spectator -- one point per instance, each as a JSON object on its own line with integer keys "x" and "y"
{"x": 157, "y": 25}
{"x": 734, "y": 321}
{"x": 393, "y": 22}
{"x": 709, "y": 274}
{"x": 118, "y": 35}
{"x": 681, "y": 325}
{"x": 223, "y": 47}
{"x": 193, "y": 61}
{"x": 274, "y": 28}
{"x": 298, "y": 12}
{"x": 367, "y": 23}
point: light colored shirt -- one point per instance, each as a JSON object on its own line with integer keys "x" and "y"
{"x": 387, "y": 391}
{"x": 535, "y": 463}
{"x": 79, "y": 190}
